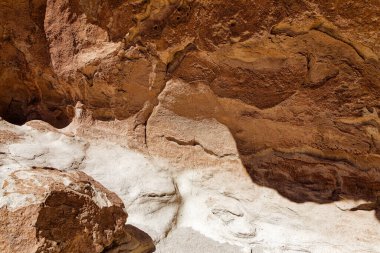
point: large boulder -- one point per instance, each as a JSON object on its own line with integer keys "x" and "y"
{"x": 48, "y": 210}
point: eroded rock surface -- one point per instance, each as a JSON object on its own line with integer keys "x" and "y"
{"x": 47, "y": 210}
{"x": 296, "y": 83}
{"x": 168, "y": 198}
{"x": 288, "y": 89}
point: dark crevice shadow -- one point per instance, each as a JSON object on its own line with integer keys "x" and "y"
{"x": 18, "y": 114}
{"x": 25, "y": 92}
{"x": 137, "y": 239}
{"x": 303, "y": 178}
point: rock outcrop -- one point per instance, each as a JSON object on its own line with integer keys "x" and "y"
{"x": 288, "y": 88}
{"x": 196, "y": 197}
{"x": 296, "y": 83}
{"x": 47, "y": 210}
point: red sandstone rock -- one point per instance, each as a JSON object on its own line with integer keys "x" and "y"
{"x": 297, "y": 83}
{"x": 47, "y": 210}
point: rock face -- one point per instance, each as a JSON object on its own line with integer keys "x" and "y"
{"x": 288, "y": 88}
{"x": 195, "y": 199}
{"x": 296, "y": 83}
{"x": 47, "y": 210}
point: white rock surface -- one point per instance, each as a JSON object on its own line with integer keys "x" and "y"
{"x": 221, "y": 204}
{"x": 186, "y": 240}
{"x": 148, "y": 191}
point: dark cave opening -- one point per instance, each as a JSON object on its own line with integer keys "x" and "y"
{"x": 14, "y": 113}
{"x": 20, "y": 112}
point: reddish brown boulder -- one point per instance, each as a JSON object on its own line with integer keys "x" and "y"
{"x": 47, "y": 210}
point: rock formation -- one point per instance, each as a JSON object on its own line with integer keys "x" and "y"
{"x": 46, "y": 210}
{"x": 192, "y": 197}
{"x": 288, "y": 90}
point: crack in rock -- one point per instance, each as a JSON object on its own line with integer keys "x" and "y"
{"x": 195, "y": 143}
